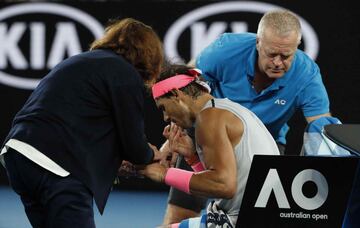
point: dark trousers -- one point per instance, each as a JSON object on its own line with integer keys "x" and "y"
{"x": 49, "y": 200}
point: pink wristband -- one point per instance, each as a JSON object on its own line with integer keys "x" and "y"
{"x": 179, "y": 179}
{"x": 175, "y": 225}
{"x": 198, "y": 167}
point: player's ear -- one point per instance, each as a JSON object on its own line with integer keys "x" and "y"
{"x": 257, "y": 43}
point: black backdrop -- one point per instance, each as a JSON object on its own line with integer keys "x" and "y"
{"x": 335, "y": 24}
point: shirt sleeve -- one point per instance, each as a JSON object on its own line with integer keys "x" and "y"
{"x": 128, "y": 105}
{"x": 313, "y": 98}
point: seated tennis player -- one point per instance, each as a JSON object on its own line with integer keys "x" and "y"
{"x": 227, "y": 136}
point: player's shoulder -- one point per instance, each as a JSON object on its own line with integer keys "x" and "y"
{"x": 213, "y": 116}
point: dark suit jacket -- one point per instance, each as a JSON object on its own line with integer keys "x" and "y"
{"x": 87, "y": 116}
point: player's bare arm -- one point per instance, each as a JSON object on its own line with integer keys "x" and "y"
{"x": 217, "y": 131}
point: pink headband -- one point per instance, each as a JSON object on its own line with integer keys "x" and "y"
{"x": 174, "y": 82}
{"x": 177, "y": 82}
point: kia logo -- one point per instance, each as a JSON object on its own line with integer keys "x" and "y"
{"x": 203, "y": 34}
{"x": 27, "y": 45}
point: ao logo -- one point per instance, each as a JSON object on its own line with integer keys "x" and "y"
{"x": 273, "y": 184}
{"x": 200, "y": 37}
{"x": 65, "y": 40}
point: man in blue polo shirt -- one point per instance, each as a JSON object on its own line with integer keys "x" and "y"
{"x": 266, "y": 73}
{"x": 272, "y": 80}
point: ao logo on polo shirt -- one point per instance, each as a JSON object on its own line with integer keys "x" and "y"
{"x": 36, "y": 36}
{"x": 192, "y": 32}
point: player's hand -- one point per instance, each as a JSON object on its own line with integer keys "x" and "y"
{"x": 168, "y": 158}
{"x": 157, "y": 154}
{"x": 154, "y": 171}
{"x": 166, "y": 131}
{"x": 180, "y": 142}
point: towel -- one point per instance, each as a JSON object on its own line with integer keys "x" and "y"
{"x": 316, "y": 143}
{"x": 214, "y": 218}
{"x": 197, "y": 222}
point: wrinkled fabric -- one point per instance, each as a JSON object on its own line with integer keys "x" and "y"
{"x": 316, "y": 143}
{"x": 197, "y": 222}
{"x": 217, "y": 218}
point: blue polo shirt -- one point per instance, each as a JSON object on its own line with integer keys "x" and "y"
{"x": 228, "y": 64}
